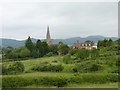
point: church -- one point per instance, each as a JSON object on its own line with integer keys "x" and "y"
{"x": 77, "y": 45}
{"x": 48, "y": 38}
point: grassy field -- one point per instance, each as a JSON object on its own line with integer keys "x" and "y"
{"x": 31, "y": 62}
{"x": 85, "y": 85}
{"x": 33, "y": 79}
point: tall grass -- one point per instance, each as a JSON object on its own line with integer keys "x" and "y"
{"x": 14, "y": 81}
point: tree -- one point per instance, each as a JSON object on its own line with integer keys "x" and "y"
{"x": 39, "y": 48}
{"x": 21, "y": 52}
{"x": 45, "y": 48}
{"x": 29, "y": 44}
{"x": 60, "y": 42}
{"x": 110, "y": 42}
{"x": 63, "y": 49}
{"x": 104, "y": 43}
{"x": 89, "y": 41}
{"x": 8, "y": 52}
{"x": 24, "y": 52}
{"x": 82, "y": 53}
{"x": 118, "y": 41}
{"x": 0, "y": 50}
{"x": 54, "y": 49}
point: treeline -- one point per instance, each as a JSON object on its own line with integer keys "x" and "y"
{"x": 84, "y": 60}
{"x": 37, "y": 49}
{"x": 108, "y": 43}
{"x": 34, "y": 50}
{"x": 41, "y": 48}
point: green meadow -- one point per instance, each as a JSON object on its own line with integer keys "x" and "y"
{"x": 32, "y": 79}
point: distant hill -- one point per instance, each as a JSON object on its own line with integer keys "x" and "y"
{"x": 69, "y": 41}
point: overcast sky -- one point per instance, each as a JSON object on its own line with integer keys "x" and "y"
{"x": 78, "y": 19}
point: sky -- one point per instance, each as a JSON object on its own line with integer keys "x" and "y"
{"x": 65, "y": 19}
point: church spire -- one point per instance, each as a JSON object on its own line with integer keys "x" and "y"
{"x": 48, "y": 38}
{"x": 48, "y": 33}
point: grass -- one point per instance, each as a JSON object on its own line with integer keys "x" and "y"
{"x": 89, "y": 85}
{"x": 45, "y": 74}
{"x": 66, "y": 73}
{"x": 73, "y": 83}
{"x": 85, "y": 85}
{"x": 31, "y": 62}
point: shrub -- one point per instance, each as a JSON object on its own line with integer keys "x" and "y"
{"x": 87, "y": 66}
{"x": 94, "y": 53}
{"x": 14, "y": 68}
{"x": 73, "y": 51}
{"x": 59, "y": 81}
{"x": 49, "y": 54}
{"x": 48, "y": 67}
{"x": 95, "y": 67}
{"x": 17, "y": 66}
{"x": 55, "y": 61}
{"x": 83, "y": 53}
{"x": 67, "y": 59}
{"x": 63, "y": 49}
{"x": 4, "y": 69}
{"x": 94, "y": 78}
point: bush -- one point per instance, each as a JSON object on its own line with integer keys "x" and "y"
{"x": 50, "y": 54}
{"x": 14, "y": 68}
{"x": 4, "y": 69}
{"x": 73, "y": 51}
{"x": 17, "y": 66}
{"x": 83, "y": 53}
{"x": 15, "y": 82}
{"x": 67, "y": 59}
{"x": 94, "y": 53}
{"x": 48, "y": 67}
{"x": 95, "y": 67}
{"x": 87, "y": 66}
{"x": 63, "y": 49}
{"x": 94, "y": 78}
{"x": 58, "y": 81}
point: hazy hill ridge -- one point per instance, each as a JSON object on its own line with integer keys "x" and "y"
{"x": 70, "y": 41}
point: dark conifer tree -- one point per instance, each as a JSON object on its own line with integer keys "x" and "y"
{"x": 30, "y": 46}
{"x": 45, "y": 48}
{"x": 39, "y": 48}
{"x": 110, "y": 42}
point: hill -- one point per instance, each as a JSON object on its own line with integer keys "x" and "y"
{"x": 69, "y": 41}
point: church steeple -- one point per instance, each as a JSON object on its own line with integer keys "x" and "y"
{"x": 48, "y": 38}
{"x": 48, "y": 33}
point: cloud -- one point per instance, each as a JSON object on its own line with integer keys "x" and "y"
{"x": 65, "y": 19}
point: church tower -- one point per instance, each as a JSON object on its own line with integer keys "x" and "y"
{"x": 48, "y": 38}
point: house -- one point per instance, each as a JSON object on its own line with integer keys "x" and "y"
{"x": 86, "y": 45}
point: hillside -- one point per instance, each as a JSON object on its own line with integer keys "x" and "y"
{"x": 33, "y": 79}
{"x": 69, "y": 41}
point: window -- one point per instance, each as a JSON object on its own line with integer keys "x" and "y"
{"x": 82, "y": 44}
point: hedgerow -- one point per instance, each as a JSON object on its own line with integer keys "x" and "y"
{"x": 48, "y": 67}
{"x": 58, "y": 81}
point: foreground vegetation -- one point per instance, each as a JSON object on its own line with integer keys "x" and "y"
{"x": 57, "y": 79}
{"x": 65, "y": 78}
{"x": 61, "y": 66}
